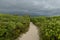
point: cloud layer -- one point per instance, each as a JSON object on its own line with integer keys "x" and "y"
{"x": 29, "y": 5}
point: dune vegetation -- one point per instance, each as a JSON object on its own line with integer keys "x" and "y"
{"x": 48, "y": 27}
{"x": 13, "y": 26}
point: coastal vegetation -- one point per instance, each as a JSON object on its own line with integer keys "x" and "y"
{"x": 48, "y": 27}
{"x": 13, "y": 26}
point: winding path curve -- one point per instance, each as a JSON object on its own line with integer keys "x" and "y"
{"x": 32, "y": 34}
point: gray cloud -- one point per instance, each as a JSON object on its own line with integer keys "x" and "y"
{"x": 29, "y": 5}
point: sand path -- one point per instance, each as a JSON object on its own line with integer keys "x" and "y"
{"x": 32, "y": 34}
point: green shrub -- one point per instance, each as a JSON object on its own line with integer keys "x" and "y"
{"x": 49, "y": 27}
{"x": 12, "y": 26}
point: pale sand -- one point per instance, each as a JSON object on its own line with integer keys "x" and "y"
{"x": 32, "y": 34}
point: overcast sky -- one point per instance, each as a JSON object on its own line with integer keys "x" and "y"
{"x": 29, "y": 5}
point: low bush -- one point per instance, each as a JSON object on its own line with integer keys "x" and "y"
{"x": 12, "y": 26}
{"x": 49, "y": 27}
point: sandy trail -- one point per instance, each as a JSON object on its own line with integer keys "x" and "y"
{"x": 32, "y": 34}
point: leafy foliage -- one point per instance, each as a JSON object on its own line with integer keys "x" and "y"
{"x": 12, "y": 26}
{"x": 49, "y": 27}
